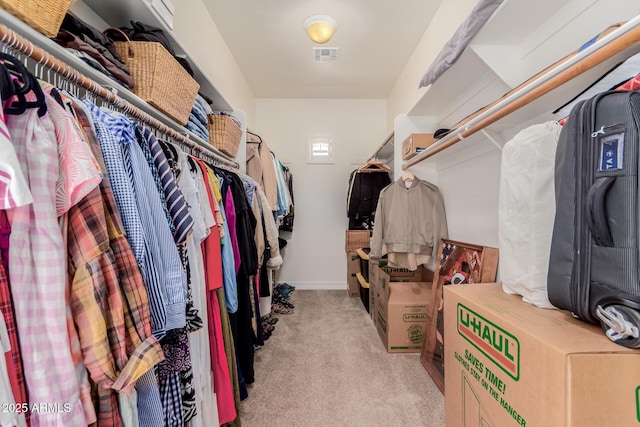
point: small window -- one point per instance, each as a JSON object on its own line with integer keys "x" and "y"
{"x": 320, "y": 150}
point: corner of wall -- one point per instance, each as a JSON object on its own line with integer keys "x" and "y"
{"x": 193, "y": 24}
{"x": 444, "y": 23}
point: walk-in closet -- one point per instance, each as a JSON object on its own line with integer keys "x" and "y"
{"x": 309, "y": 214}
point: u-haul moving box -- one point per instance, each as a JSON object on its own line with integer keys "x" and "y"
{"x": 402, "y": 307}
{"x": 509, "y": 363}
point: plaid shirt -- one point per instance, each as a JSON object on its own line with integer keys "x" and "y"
{"x": 140, "y": 344}
{"x": 114, "y": 353}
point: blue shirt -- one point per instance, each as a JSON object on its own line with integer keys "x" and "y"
{"x": 122, "y": 183}
{"x": 171, "y": 286}
{"x": 150, "y": 412}
{"x": 156, "y": 228}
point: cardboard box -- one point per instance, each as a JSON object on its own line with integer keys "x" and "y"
{"x": 386, "y": 275}
{"x": 415, "y": 143}
{"x": 509, "y": 363}
{"x": 353, "y": 268}
{"x": 401, "y": 318}
{"x": 373, "y": 290}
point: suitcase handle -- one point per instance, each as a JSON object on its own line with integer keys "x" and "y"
{"x": 596, "y": 212}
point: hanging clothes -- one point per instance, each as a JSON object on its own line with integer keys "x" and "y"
{"x": 125, "y": 197}
{"x": 100, "y": 260}
{"x": 7, "y": 418}
{"x": 284, "y": 199}
{"x": 105, "y": 273}
{"x": 181, "y": 224}
{"x": 148, "y": 410}
{"x": 365, "y": 185}
{"x": 287, "y": 221}
{"x": 14, "y": 192}
{"x": 245, "y": 226}
{"x": 410, "y": 221}
{"x": 222, "y": 381}
{"x": 261, "y": 168}
{"x": 205, "y": 400}
{"x": 38, "y": 272}
{"x": 228, "y": 262}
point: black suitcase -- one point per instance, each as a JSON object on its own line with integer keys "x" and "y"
{"x": 594, "y": 265}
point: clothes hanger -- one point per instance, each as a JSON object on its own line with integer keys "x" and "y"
{"x": 374, "y": 165}
{"x": 408, "y": 177}
{"x": 29, "y": 83}
{"x": 21, "y": 84}
{"x": 7, "y": 88}
{"x": 255, "y": 142}
{"x": 16, "y": 69}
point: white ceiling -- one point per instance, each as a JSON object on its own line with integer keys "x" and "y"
{"x": 376, "y": 39}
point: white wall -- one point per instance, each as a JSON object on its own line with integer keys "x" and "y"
{"x": 200, "y": 36}
{"x": 405, "y": 93}
{"x": 314, "y": 257}
{"x": 470, "y": 194}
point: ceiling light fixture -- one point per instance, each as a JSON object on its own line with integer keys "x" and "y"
{"x": 320, "y": 28}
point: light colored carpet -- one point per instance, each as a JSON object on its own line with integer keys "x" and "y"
{"x": 325, "y": 365}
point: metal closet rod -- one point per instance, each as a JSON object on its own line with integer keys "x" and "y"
{"x": 610, "y": 45}
{"x": 18, "y": 43}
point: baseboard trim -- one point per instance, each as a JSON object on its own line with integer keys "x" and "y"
{"x": 317, "y": 286}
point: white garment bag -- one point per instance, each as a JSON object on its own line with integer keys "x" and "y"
{"x": 526, "y": 211}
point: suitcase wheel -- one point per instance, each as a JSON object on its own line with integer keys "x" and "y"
{"x": 621, "y": 324}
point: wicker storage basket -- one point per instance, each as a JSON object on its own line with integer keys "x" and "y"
{"x": 224, "y": 133}
{"x": 356, "y": 239}
{"x": 44, "y": 15}
{"x": 158, "y": 78}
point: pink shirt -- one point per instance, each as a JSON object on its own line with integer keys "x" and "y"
{"x": 37, "y": 271}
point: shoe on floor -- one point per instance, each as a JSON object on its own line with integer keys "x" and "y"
{"x": 286, "y": 286}
{"x": 281, "y": 309}
{"x": 271, "y": 320}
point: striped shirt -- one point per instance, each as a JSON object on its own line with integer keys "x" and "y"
{"x": 176, "y": 204}
{"x": 125, "y": 197}
{"x": 166, "y": 259}
{"x": 155, "y": 226}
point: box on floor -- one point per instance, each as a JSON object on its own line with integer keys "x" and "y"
{"x": 509, "y": 363}
{"x": 401, "y": 307}
{"x": 353, "y": 268}
{"x": 385, "y": 275}
{"x": 373, "y": 268}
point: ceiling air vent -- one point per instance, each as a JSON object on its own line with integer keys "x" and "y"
{"x": 325, "y": 54}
